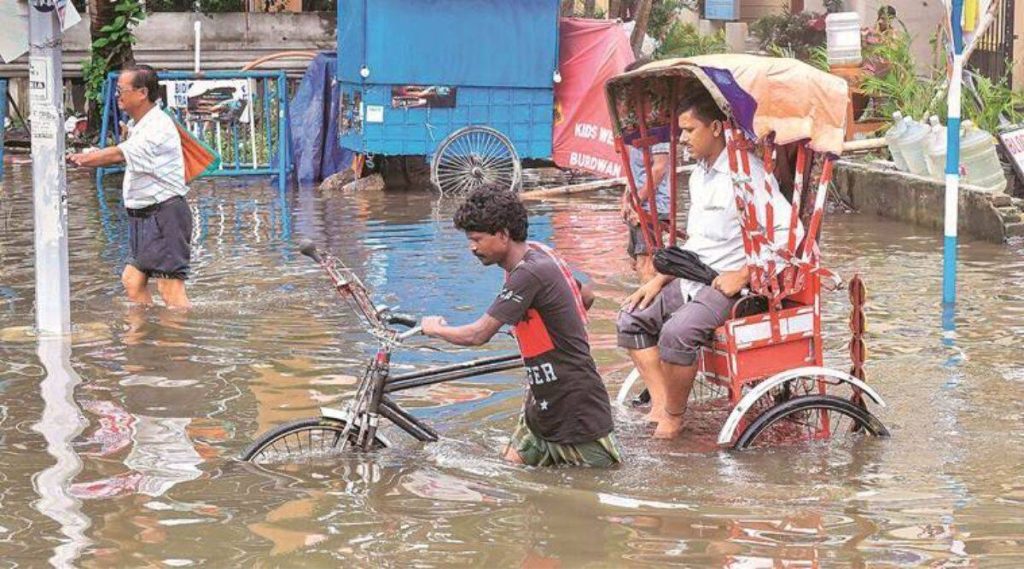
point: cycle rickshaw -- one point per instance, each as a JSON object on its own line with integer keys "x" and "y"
{"x": 766, "y": 363}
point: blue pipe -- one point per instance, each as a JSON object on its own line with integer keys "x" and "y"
{"x": 103, "y": 130}
{"x": 282, "y": 145}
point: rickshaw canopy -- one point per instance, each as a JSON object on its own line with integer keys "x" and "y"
{"x": 762, "y": 95}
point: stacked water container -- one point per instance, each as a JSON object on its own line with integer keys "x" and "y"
{"x": 911, "y": 145}
{"x": 935, "y": 149}
{"x": 899, "y": 126}
{"x": 979, "y": 161}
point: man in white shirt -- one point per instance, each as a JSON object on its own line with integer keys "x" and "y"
{"x": 160, "y": 221}
{"x": 667, "y": 320}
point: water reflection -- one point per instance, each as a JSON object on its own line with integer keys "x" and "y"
{"x": 60, "y": 423}
{"x": 170, "y": 399}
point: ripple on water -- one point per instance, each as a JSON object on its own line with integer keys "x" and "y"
{"x": 172, "y": 398}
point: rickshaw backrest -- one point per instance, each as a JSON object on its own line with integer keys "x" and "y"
{"x": 789, "y": 269}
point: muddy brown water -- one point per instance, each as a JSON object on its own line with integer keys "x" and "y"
{"x": 124, "y": 455}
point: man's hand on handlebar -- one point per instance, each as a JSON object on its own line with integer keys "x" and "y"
{"x": 432, "y": 325}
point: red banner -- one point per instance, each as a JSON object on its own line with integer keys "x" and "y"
{"x": 590, "y": 53}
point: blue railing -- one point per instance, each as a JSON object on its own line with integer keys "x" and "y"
{"x": 257, "y": 147}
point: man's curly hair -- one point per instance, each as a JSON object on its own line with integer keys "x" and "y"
{"x": 490, "y": 209}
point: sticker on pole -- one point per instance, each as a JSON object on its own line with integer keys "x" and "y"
{"x": 40, "y": 81}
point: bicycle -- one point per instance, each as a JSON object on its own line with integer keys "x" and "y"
{"x": 356, "y": 425}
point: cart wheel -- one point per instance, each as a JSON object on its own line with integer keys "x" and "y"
{"x": 472, "y": 157}
{"x": 810, "y": 418}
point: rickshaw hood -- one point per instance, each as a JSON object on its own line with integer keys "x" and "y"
{"x": 762, "y": 95}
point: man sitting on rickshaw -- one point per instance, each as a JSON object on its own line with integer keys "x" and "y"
{"x": 667, "y": 320}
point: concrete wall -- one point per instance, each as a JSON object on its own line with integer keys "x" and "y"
{"x": 922, "y": 18}
{"x": 881, "y": 190}
{"x": 230, "y": 40}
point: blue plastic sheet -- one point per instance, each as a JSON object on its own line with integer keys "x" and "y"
{"x": 313, "y": 112}
{"x": 483, "y": 43}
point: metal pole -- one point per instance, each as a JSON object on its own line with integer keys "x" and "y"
{"x": 53, "y": 309}
{"x": 197, "y": 27}
{"x": 953, "y": 155}
{"x": 3, "y": 122}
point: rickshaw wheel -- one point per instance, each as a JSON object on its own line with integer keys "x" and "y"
{"x": 472, "y": 157}
{"x": 810, "y": 418}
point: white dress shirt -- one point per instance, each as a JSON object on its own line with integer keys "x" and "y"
{"x": 713, "y": 227}
{"x": 154, "y": 164}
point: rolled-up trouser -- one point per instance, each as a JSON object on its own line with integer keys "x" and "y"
{"x": 679, "y": 328}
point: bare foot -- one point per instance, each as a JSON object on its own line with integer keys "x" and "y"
{"x": 654, "y": 416}
{"x": 669, "y": 426}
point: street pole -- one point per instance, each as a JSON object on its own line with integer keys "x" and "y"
{"x": 49, "y": 183}
{"x": 953, "y": 154}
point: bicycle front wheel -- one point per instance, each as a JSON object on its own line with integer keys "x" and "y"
{"x": 304, "y": 440}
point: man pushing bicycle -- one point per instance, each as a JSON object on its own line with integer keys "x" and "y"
{"x": 566, "y": 415}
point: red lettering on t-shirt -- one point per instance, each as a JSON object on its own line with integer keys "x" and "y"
{"x": 532, "y": 335}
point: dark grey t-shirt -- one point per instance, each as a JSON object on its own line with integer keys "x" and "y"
{"x": 567, "y": 402}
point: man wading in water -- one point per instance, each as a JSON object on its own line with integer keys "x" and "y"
{"x": 566, "y": 415}
{"x": 159, "y": 218}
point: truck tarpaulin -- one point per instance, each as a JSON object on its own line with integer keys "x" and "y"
{"x": 590, "y": 53}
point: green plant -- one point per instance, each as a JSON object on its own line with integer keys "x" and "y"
{"x": 796, "y": 34}
{"x": 663, "y": 15}
{"x": 893, "y": 81}
{"x": 990, "y": 104}
{"x": 683, "y": 40}
{"x": 115, "y": 41}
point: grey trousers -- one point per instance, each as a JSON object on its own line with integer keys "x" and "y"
{"x": 677, "y": 327}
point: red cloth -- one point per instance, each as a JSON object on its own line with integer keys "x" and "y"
{"x": 590, "y": 52}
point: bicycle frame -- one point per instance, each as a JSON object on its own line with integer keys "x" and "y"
{"x": 371, "y": 400}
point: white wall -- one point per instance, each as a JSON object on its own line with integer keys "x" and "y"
{"x": 922, "y": 18}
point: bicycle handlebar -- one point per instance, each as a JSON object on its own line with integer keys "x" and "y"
{"x": 308, "y": 248}
{"x": 402, "y": 319}
{"x": 414, "y": 331}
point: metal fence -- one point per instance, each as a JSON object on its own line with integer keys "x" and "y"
{"x": 242, "y": 115}
{"x": 994, "y": 53}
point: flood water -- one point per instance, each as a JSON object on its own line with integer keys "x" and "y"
{"x": 126, "y": 455}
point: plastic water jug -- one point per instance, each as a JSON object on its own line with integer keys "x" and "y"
{"x": 899, "y": 126}
{"x": 935, "y": 149}
{"x": 912, "y": 148}
{"x": 842, "y": 35}
{"x": 979, "y": 161}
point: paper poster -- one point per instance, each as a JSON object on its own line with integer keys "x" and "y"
{"x": 423, "y": 97}
{"x": 220, "y": 100}
{"x": 14, "y": 15}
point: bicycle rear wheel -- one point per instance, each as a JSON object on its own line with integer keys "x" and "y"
{"x": 303, "y": 440}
